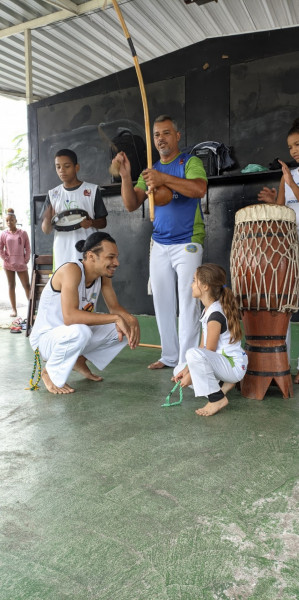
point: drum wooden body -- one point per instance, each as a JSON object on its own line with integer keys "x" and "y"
{"x": 265, "y": 281}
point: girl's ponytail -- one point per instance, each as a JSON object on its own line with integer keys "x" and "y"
{"x": 231, "y": 311}
{"x": 215, "y": 277}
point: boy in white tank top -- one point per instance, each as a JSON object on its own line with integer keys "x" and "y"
{"x": 72, "y": 193}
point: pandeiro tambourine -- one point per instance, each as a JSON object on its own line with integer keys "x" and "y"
{"x": 68, "y": 220}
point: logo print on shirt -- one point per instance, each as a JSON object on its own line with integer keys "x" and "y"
{"x": 89, "y": 307}
{"x": 87, "y": 192}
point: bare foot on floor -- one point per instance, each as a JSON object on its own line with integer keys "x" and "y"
{"x": 211, "y": 408}
{"x": 13, "y": 313}
{"x": 227, "y": 387}
{"x": 82, "y": 368}
{"x": 296, "y": 380}
{"x": 156, "y": 365}
{"x": 53, "y": 389}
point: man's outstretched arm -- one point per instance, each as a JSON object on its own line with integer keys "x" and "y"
{"x": 132, "y": 197}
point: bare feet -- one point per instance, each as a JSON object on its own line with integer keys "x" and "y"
{"x": 156, "y": 365}
{"x": 227, "y": 387}
{"x": 13, "y": 313}
{"x": 53, "y": 389}
{"x": 211, "y": 408}
{"x": 296, "y": 380}
{"x": 82, "y": 368}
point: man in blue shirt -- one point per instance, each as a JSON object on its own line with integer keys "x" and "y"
{"x": 178, "y": 236}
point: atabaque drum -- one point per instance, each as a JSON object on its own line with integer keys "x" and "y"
{"x": 265, "y": 281}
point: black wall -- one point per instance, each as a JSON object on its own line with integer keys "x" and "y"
{"x": 247, "y": 98}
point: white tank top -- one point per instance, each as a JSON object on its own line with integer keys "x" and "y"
{"x": 62, "y": 199}
{"x": 234, "y": 350}
{"x": 49, "y": 314}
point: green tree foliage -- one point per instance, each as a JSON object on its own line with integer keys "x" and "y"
{"x": 20, "y": 158}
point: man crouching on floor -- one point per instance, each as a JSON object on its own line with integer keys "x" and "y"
{"x": 67, "y": 331}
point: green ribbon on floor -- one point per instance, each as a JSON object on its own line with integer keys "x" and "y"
{"x": 167, "y": 400}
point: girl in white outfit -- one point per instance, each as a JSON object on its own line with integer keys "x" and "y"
{"x": 220, "y": 361}
{"x": 288, "y": 195}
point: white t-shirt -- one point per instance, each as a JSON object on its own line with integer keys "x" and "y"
{"x": 290, "y": 199}
{"x": 234, "y": 350}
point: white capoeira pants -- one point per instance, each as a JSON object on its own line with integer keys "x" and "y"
{"x": 171, "y": 270}
{"x": 62, "y": 346}
{"x": 207, "y": 368}
{"x": 288, "y": 344}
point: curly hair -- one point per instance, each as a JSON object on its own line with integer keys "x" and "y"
{"x": 215, "y": 277}
{"x": 294, "y": 128}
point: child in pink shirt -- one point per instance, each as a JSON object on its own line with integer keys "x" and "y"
{"x": 15, "y": 252}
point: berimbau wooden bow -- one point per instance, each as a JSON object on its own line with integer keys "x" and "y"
{"x": 144, "y": 101}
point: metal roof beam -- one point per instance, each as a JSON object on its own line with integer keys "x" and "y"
{"x": 28, "y": 66}
{"x": 64, "y": 5}
{"x": 16, "y": 95}
{"x": 60, "y": 15}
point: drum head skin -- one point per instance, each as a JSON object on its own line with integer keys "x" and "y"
{"x": 68, "y": 220}
{"x": 265, "y": 212}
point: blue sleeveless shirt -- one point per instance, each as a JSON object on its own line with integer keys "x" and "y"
{"x": 180, "y": 221}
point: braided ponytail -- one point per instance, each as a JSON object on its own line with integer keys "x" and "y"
{"x": 231, "y": 311}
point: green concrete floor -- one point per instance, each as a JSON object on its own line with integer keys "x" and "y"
{"x": 106, "y": 495}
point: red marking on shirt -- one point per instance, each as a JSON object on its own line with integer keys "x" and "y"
{"x": 88, "y": 307}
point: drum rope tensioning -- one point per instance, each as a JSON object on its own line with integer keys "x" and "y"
{"x": 265, "y": 281}
{"x": 264, "y": 258}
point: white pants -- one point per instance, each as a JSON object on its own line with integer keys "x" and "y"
{"x": 173, "y": 267}
{"x": 207, "y": 368}
{"x": 288, "y": 343}
{"x": 62, "y": 346}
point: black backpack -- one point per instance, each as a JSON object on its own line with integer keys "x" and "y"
{"x": 135, "y": 149}
{"x": 215, "y": 156}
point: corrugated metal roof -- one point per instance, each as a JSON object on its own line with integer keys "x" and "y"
{"x": 77, "y": 49}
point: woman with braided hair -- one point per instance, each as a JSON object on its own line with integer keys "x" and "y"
{"x": 219, "y": 362}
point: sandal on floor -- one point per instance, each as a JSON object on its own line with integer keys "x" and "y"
{"x": 15, "y": 329}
